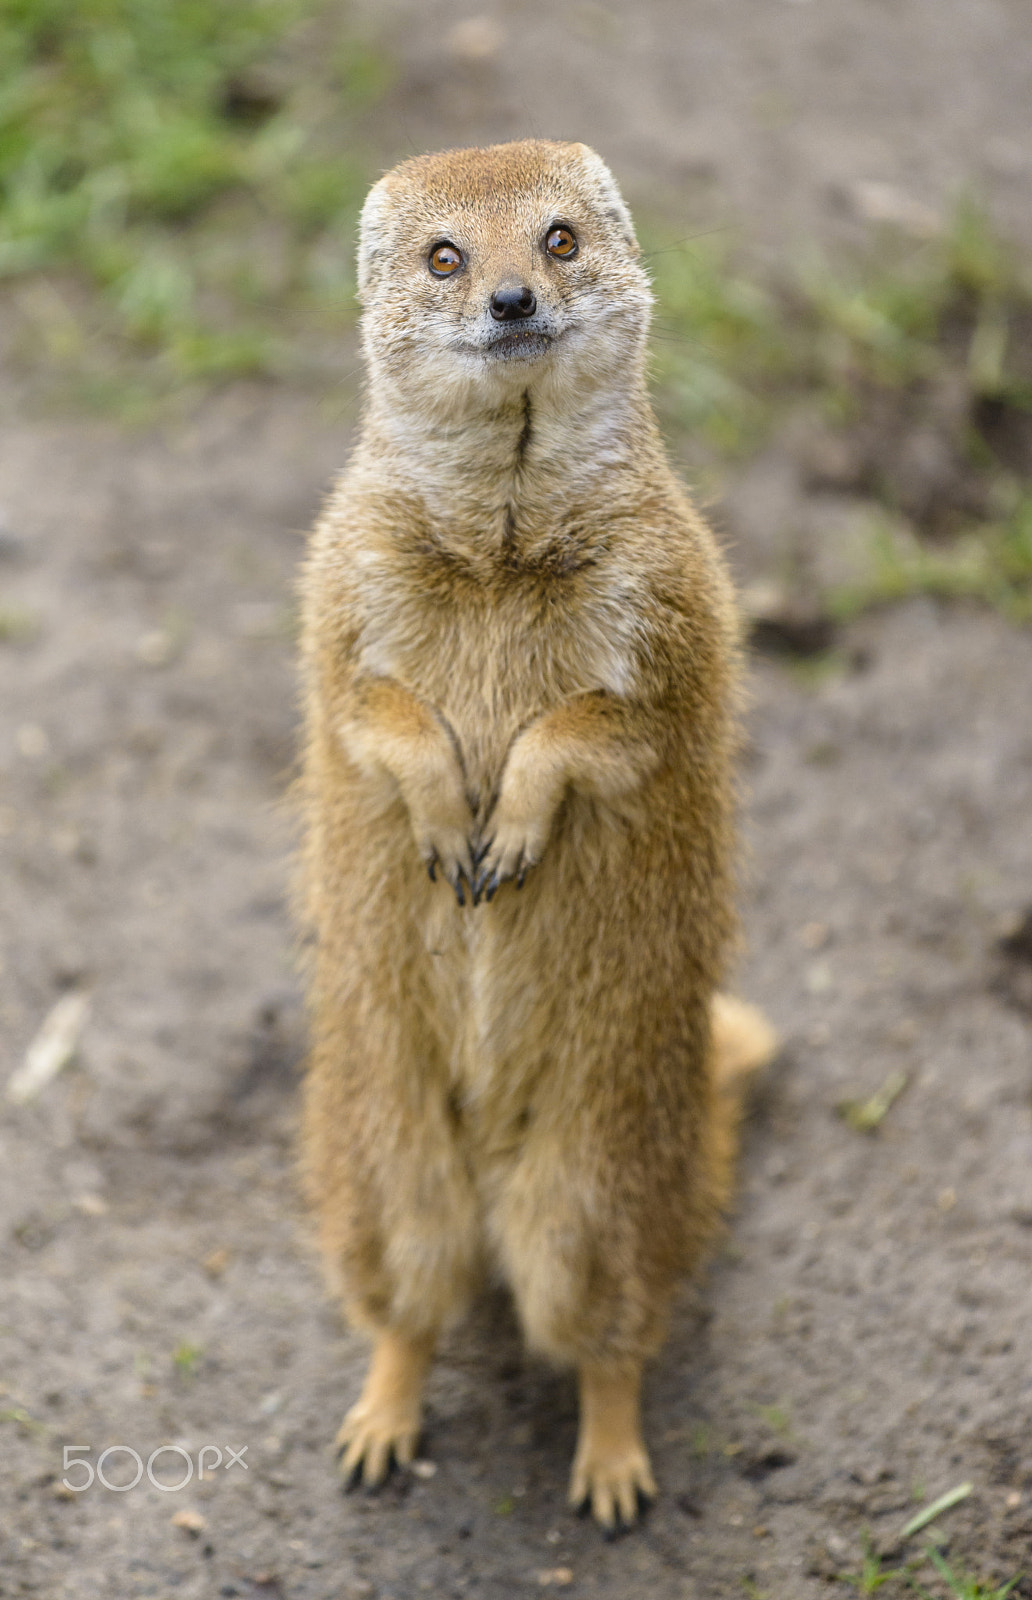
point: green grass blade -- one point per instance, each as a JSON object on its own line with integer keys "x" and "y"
{"x": 928, "y": 1514}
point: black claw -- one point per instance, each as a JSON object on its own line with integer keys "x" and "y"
{"x": 621, "y": 1527}
{"x": 479, "y": 855}
{"x": 431, "y": 868}
{"x": 492, "y": 889}
{"x": 373, "y": 1489}
{"x": 460, "y": 893}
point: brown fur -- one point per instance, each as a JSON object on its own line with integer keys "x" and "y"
{"x": 520, "y": 656}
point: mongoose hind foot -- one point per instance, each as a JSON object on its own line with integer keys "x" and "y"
{"x": 382, "y": 1428}
{"x": 611, "y": 1472}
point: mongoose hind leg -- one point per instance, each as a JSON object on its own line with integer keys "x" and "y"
{"x": 398, "y": 1216}
{"x": 611, "y": 1471}
{"x": 382, "y": 1428}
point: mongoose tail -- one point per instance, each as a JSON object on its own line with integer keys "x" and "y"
{"x": 743, "y": 1042}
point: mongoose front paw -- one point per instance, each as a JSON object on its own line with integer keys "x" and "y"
{"x": 445, "y": 849}
{"x": 509, "y": 852}
{"x": 455, "y": 864}
{"x": 374, "y": 1438}
{"x": 498, "y": 868}
{"x": 615, "y": 1484}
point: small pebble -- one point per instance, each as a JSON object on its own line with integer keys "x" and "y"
{"x": 32, "y": 741}
{"x": 154, "y": 649}
{"x": 190, "y": 1521}
{"x": 476, "y": 39}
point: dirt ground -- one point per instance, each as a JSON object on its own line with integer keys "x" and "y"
{"x": 768, "y": 118}
{"x": 863, "y": 1341}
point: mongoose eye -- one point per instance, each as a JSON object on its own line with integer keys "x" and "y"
{"x": 444, "y": 260}
{"x": 561, "y": 242}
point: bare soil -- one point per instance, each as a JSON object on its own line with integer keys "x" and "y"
{"x": 863, "y": 1341}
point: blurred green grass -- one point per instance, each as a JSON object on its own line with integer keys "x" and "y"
{"x": 731, "y": 351}
{"x": 179, "y": 182}
{"x": 179, "y": 185}
{"x": 920, "y": 350}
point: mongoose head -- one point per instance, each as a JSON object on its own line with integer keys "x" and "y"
{"x": 487, "y": 271}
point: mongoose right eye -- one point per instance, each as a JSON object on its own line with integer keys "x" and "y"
{"x": 444, "y": 260}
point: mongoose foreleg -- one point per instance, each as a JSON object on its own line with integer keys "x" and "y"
{"x": 594, "y": 743}
{"x": 388, "y": 730}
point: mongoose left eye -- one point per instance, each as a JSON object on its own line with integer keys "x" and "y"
{"x": 561, "y": 242}
{"x": 444, "y": 260}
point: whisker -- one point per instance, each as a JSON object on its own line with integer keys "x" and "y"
{"x": 681, "y": 244}
{"x": 677, "y": 336}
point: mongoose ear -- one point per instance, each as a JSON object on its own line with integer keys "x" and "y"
{"x": 609, "y": 194}
{"x": 371, "y": 241}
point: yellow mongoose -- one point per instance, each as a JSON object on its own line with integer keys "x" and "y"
{"x": 520, "y": 666}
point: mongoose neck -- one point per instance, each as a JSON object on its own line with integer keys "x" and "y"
{"x": 521, "y": 450}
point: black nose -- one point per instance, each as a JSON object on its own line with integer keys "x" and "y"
{"x": 509, "y": 304}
